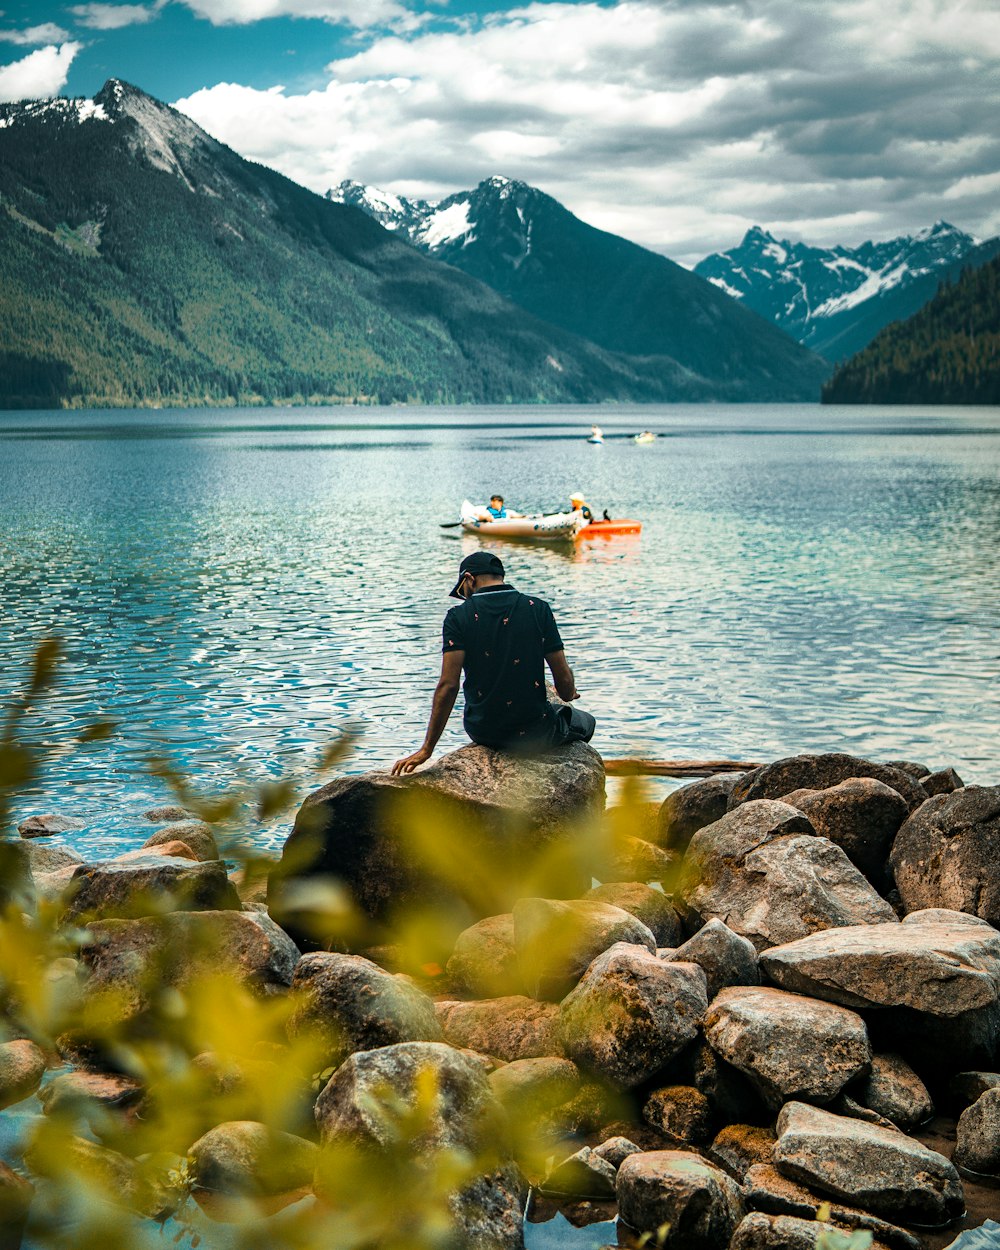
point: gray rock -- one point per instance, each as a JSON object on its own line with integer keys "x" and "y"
{"x": 509, "y": 1028}
{"x": 730, "y": 1094}
{"x": 763, "y": 872}
{"x": 584, "y": 1174}
{"x": 692, "y": 807}
{"x": 357, "y": 1106}
{"x": 111, "y": 889}
{"x": 46, "y": 859}
{"x": 647, "y": 904}
{"x": 946, "y": 781}
{"x": 737, "y": 1147}
{"x": 948, "y": 854}
{"x": 681, "y": 1113}
{"x": 484, "y": 961}
{"x": 137, "y": 959}
{"x": 244, "y": 1158}
{"x": 168, "y": 812}
{"x": 909, "y": 767}
{"x": 860, "y": 815}
{"x": 348, "y": 1004}
{"x": 82, "y": 1091}
{"x": 759, "y": 1231}
{"x": 767, "y": 1190}
{"x": 820, "y": 772}
{"x": 893, "y": 1090}
{"x": 845, "y": 1105}
{"x": 557, "y": 941}
{"x": 634, "y": 859}
{"x": 882, "y": 1171}
{"x": 195, "y": 833}
{"x": 631, "y": 1014}
{"x": 696, "y": 1203}
{"x": 725, "y": 957}
{"x": 46, "y": 826}
{"x": 22, "y": 1066}
{"x": 978, "y": 1134}
{"x": 939, "y": 967}
{"x": 790, "y": 1047}
{"x": 965, "y": 1087}
{"x": 616, "y": 1150}
{"x": 504, "y": 809}
{"x": 532, "y": 1088}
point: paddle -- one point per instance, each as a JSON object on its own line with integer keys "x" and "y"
{"x": 449, "y": 525}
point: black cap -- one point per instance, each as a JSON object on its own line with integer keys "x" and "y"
{"x": 478, "y": 563}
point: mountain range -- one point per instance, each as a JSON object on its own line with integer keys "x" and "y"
{"x": 143, "y": 262}
{"x": 627, "y": 299}
{"x": 835, "y": 300}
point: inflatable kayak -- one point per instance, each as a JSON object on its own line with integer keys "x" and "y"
{"x": 477, "y": 520}
{"x": 608, "y": 529}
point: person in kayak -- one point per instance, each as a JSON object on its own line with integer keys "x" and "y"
{"x": 496, "y": 509}
{"x": 577, "y": 501}
{"x": 502, "y": 640}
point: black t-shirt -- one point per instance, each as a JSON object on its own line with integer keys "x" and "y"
{"x": 505, "y": 636}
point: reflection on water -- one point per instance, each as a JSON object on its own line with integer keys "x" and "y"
{"x": 240, "y": 585}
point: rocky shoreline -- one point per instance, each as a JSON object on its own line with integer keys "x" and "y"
{"x": 752, "y": 1013}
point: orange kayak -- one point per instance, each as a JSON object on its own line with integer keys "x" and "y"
{"x": 608, "y": 529}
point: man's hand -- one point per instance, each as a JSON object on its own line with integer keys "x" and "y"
{"x": 411, "y": 762}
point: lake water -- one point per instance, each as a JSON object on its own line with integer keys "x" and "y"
{"x": 236, "y": 587}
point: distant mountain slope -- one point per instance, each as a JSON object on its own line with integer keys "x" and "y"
{"x": 948, "y": 353}
{"x": 143, "y": 262}
{"x": 835, "y": 300}
{"x": 532, "y": 250}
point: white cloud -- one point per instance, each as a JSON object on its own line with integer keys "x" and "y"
{"x": 115, "y": 16}
{"x": 349, "y": 12}
{"x": 48, "y": 32}
{"x": 675, "y": 124}
{"x": 39, "y": 75}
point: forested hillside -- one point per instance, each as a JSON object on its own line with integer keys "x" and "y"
{"x": 948, "y": 353}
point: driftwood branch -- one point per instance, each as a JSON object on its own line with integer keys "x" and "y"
{"x": 675, "y": 768}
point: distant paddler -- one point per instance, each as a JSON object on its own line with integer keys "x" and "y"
{"x": 596, "y": 434}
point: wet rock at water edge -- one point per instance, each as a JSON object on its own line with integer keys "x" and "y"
{"x": 762, "y": 870}
{"x": 691, "y": 808}
{"x": 948, "y": 854}
{"x": 631, "y": 1014}
{"x": 512, "y": 1027}
{"x": 484, "y": 961}
{"x": 789, "y": 1047}
{"x": 737, "y": 1147}
{"x": 166, "y": 813}
{"x": 45, "y": 859}
{"x": 647, "y": 904}
{"x": 978, "y": 1147}
{"x": 696, "y": 1203}
{"x": 878, "y": 1169}
{"x": 584, "y": 1174}
{"x": 22, "y": 1066}
{"x": 725, "y": 957}
{"x": 46, "y": 826}
{"x": 195, "y": 833}
{"x": 616, "y": 1150}
{"x": 111, "y": 889}
{"x": 355, "y": 1106}
{"x": 945, "y": 781}
{"x": 348, "y": 1003}
{"x": 820, "y": 772}
{"x": 506, "y": 809}
{"x": 681, "y": 1113}
{"x": 759, "y": 1231}
{"x": 557, "y": 941}
{"x": 860, "y": 815}
{"x": 83, "y": 1091}
{"x": 893, "y": 1090}
{"x": 244, "y": 1158}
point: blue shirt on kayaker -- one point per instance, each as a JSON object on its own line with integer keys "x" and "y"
{"x": 496, "y": 508}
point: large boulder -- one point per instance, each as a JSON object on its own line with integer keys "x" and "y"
{"x": 508, "y": 1028}
{"x": 137, "y": 960}
{"x": 556, "y": 941}
{"x": 387, "y": 837}
{"x": 691, "y": 808}
{"x": 368, "y": 1096}
{"x": 347, "y": 1003}
{"x": 880, "y": 1169}
{"x": 193, "y": 833}
{"x": 948, "y": 854}
{"x": 148, "y": 886}
{"x": 646, "y": 903}
{"x": 724, "y": 956}
{"x": 484, "y": 961}
{"x": 894, "y": 1091}
{"x": 685, "y": 1202}
{"x": 862, "y": 816}
{"x": 244, "y": 1158}
{"x": 790, "y": 1047}
{"x": 631, "y": 1014}
{"x": 820, "y": 772}
{"x": 22, "y": 1066}
{"x": 978, "y": 1134}
{"x": 762, "y": 870}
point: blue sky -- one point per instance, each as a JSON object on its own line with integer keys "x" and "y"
{"x": 677, "y": 123}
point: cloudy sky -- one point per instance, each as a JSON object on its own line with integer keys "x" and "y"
{"x": 677, "y": 123}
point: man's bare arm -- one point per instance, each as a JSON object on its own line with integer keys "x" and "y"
{"x": 562, "y": 676}
{"x": 445, "y": 695}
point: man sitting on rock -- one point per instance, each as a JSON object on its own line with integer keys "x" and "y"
{"x": 502, "y": 640}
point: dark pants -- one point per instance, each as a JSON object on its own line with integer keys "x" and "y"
{"x": 571, "y": 724}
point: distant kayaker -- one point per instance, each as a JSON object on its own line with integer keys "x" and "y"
{"x": 502, "y": 640}
{"x": 578, "y": 503}
{"x": 496, "y": 509}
